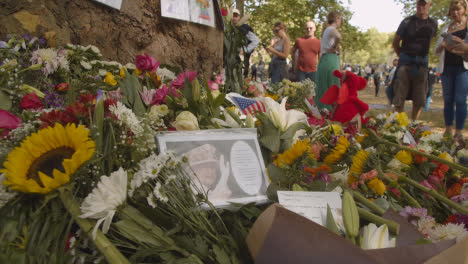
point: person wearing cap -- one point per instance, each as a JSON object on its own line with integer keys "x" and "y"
{"x": 411, "y": 44}
{"x": 453, "y": 70}
{"x": 309, "y": 48}
{"x": 252, "y": 39}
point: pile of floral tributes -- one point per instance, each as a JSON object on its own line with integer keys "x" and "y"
{"x": 82, "y": 179}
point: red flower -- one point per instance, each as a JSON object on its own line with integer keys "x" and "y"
{"x": 57, "y": 116}
{"x": 454, "y": 190}
{"x": 31, "y": 101}
{"x": 87, "y": 98}
{"x": 79, "y": 110}
{"x": 62, "y": 87}
{"x": 8, "y": 122}
{"x": 224, "y": 12}
{"x": 146, "y": 63}
{"x": 179, "y": 82}
{"x": 418, "y": 159}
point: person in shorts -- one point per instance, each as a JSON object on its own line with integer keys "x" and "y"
{"x": 411, "y": 44}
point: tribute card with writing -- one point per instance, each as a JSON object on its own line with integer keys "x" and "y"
{"x": 312, "y": 205}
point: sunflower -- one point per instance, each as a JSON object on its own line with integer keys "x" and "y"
{"x": 377, "y": 185}
{"x": 359, "y": 160}
{"x": 340, "y": 149}
{"x": 290, "y": 155}
{"x": 45, "y": 160}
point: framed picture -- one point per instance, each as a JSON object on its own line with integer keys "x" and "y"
{"x": 227, "y": 162}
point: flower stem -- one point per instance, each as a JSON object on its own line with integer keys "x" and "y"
{"x": 107, "y": 249}
{"x": 411, "y": 200}
{"x": 372, "y": 206}
{"x": 429, "y": 156}
{"x": 434, "y": 194}
{"x": 393, "y": 226}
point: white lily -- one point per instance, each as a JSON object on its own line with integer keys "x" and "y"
{"x": 102, "y": 202}
{"x": 281, "y": 117}
{"x": 374, "y": 238}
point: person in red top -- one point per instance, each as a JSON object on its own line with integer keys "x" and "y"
{"x": 309, "y": 53}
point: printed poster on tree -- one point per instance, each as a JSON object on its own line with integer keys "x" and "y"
{"x": 112, "y": 3}
{"x": 197, "y": 11}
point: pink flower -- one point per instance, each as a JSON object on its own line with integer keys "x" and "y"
{"x": 213, "y": 85}
{"x": 147, "y": 95}
{"x": 31, "y": 101}
{"x": 395, "y": 191}
{"x": 367, "y": 176}
{"x": 146, "y": 63}
{"x": 116, "y": 94}
{"x": 161, "y": 93}
{"x": 8, "y": 122}
{"x": 220, "y": 78}
{"x": 434, "y": 180}
{"x": 179, "y": 82}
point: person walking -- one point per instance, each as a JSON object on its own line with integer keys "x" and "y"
{"x": 411, "y": 44}
{"x": 252, "y": 39}
{"x": 330, "y": 58}
{"x": 254, "y": 71}
{"x": 279, "y": 51}
{"x": 261, "y": 70}
{"x": 453, "y": 69}
{"x": 309, "y": 49}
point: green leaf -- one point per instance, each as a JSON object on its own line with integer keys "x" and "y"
{"x": 221, "y": 256}
{"x": 297, "y": 188}
{"x": 331, "y": 224}
{"x": 291, "y": 131}
{"x": 272, "y": 191}
{"x": 269, "y": 134}
{"x": 274, "y": 172}
{"x": 131, "y": 87}
{"x": 318, "y": 186}
{"x": 5, "y": 101}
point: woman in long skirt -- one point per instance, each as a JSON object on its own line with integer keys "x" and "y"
{"x": 329, "y": 59}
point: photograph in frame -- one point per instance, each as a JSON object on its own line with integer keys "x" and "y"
{"x": 227, "y": 162}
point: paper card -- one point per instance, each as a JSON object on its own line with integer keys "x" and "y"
{"x": 112, "y": 3}
{"x": 312, "y": 205}
{"x": 175, "y": 9}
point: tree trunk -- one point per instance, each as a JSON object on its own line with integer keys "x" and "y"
{"x": 121, "y": 35}
{"x": 240, "y": 6}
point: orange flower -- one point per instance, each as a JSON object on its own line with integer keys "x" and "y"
{"x": 418, "y": 159}
{"x": 455, "y": 189}
{"x": 392, "y": 176}
{"x": 323, "y": 167}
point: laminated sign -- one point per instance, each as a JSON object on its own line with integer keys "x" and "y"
{"x": 112, "y": 3}
{"x": 196, "y": 11}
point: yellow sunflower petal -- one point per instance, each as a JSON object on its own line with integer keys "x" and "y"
{"x": 36, "y": 149}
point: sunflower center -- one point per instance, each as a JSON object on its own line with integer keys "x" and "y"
{"x": 49, "y": 161}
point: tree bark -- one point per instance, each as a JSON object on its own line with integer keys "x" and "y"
{"x": 121, "y": 35}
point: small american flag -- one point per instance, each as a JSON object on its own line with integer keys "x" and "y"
{"x": 248, "y": 106}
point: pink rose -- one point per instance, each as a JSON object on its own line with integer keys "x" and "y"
{"x": 146, "y": 63}
{"x": 179, "y": 82}
{"x": 31, "y": 101}
{"x": 161, "y": 93}
{"x": 8, "y": 122}
{"x": 213, "y": 85}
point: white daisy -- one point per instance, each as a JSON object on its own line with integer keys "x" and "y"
{"x": 102, "y": 202}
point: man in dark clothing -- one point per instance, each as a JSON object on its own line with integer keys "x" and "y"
{"x": 411, "y": 44}
{"x": 252, "y": 39}
{"x": 254, "y": 72}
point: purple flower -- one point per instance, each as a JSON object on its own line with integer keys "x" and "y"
{"x": 3, "y": 44}
{"x": 413, "y": 214}
{"x": 461, "y": 219}
{"x": 323, "y": 176}
{"x": 42, "y": 41}
{"x": 27, "y": 37}
{"x": 53, "y": 99}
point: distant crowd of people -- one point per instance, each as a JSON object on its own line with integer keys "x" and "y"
{"x": 408, "y": 78}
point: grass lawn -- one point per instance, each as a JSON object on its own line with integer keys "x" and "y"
{"x": 434, "y": 117}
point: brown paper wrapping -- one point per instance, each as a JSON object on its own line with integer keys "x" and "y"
{"x": 282, "y": 236}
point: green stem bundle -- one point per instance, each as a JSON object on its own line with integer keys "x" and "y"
{"x": 107, "y": 249}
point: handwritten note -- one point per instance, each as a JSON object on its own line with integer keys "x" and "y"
{"x": 312, "y": 205}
